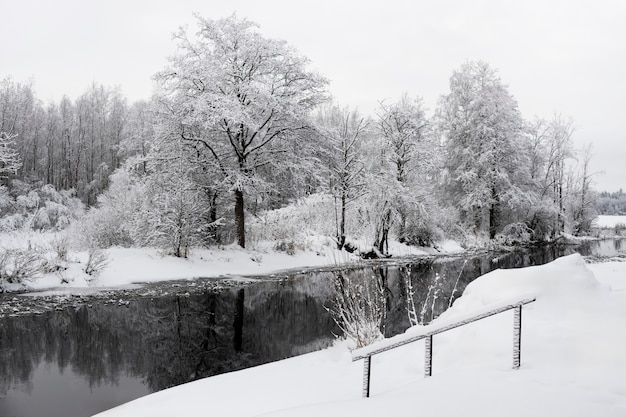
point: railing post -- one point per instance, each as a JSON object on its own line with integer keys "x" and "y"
{"x": 367, "y": 367}
{"x": 517, "y": 336}
{"x": 428, "y": 356}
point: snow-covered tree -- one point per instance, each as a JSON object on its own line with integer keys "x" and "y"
{"x": 236, "y": 97}
{"x": 173, "y": 214}
{"x": 582, "y": 198}
{"x": 403, "y": 161}
{"x": 486, "y": 163}
{"x": 344, "y": 131}
{"x": 141, "y": 132}
{"x": 551, "y": 151}
{"x": 560, "y": 150}
{"x": 9, "y": 158}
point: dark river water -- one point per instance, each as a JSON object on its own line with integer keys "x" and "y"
{"x": 77, "y": 356}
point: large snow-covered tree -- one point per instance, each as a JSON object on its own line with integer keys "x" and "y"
{"x": 236, "y": 96}
{"x": 486, "y": 163}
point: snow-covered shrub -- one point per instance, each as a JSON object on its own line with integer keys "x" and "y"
{"x": 28, "y": 201}
{"x": 287, "y": 246}
{"x": 60, "y": 245}
{"x": 293, "y": 223}
{"x": 103, "y": 227}
{"x": 12, "y": 222}
{"x": 52, "y": 216}
{"x": 18, "y": 265}
{"x": 47, "y": 192}
{"x": 6, "y": 200}
{"x": 40, "y": 220}
{"x": 37, "y": 207}
{"x": 515, "y": 234}
{"x": 97, "y": 260}
{"x": 358, "y": 305}
{"x": 421, "y": 232}
{"x": 109, "y": 223}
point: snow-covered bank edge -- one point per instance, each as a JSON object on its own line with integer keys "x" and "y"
{"x": 572, "y": 361}
{"x": 128, "y": 266}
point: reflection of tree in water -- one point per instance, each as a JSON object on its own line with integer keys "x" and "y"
{"x": 285, "y": 322}
{"x": 193, "y": 338}
{"x": 16, "y": 364}
{"x": 166, "y": 340}
{"x": 618, "y": 244}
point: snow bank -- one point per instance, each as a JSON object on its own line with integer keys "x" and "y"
{"x": 140, "y": 265}
{"x": 499, "y": 288}
{"x": 127, "y": 266}
{"x": 558, "y": 278}
{"x": 573, "y": 362}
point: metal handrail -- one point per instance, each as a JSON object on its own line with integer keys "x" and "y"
{"x": 367, "y": 352}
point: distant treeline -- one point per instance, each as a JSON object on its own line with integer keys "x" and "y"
{"x": 612, "y": 203}
{"x": 70, "y": 144}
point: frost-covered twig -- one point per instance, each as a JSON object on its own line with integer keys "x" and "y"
{"x": 451, "y": 299}
{"x": 410, "y": 300}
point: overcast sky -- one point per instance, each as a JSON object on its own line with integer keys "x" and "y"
{"x": 560, "y": 56}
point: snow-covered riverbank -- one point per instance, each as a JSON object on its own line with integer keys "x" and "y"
{"x": 573, "y": 361}
{"x": 126, "y": 266}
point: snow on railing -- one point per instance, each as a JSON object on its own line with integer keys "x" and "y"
{"x": 427, "y": 332}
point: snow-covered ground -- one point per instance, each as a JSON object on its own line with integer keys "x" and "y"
{"x": 573, "y": 361}
{"x": 127, "y": 266}
{"x": 609, "y": 222}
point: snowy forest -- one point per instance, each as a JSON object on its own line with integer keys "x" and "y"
{"x": 242, "y": 142}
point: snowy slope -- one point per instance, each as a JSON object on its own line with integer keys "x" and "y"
{"x": 573, "y": 361}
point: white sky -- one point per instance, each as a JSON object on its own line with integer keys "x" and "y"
{"x": 557, "y": 56}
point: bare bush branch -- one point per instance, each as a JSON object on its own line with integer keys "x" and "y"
{"x": 97, "y": 261}
{"x": 18, "y": 265}
{"x": 359, "y": 305}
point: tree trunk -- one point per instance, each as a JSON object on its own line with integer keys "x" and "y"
{"x": 341, "y": 238}
{"x": 402, "y": 225}
{"x": 381, "y": 241}
{"x": 240, "y": 219}
{"x": 494, "y": 213}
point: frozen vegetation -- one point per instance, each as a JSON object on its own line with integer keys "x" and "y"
{"x": 572, "y": 361}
